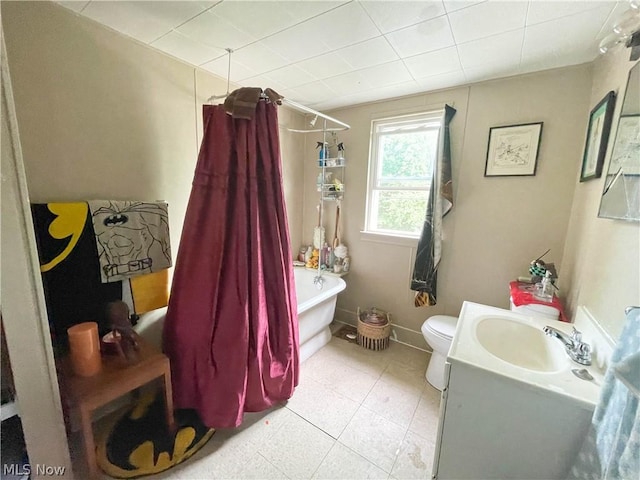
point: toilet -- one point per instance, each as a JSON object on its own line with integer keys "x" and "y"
{"x": 438, "y": 332}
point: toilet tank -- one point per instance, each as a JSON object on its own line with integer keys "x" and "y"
{"x": 536, "y": 310}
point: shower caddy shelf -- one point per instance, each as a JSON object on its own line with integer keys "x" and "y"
{"x": 329, "y": 193}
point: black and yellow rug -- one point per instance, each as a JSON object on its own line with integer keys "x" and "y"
{"x": 139, "y": 443}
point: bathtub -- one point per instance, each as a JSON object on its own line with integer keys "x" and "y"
{"x": 315, "y": 309}
{"x": 315, "y": 313}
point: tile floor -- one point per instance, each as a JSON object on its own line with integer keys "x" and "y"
{"x": 356, "y": 414}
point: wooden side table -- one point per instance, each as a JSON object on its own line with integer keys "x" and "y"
{"x": 116, "y": 378}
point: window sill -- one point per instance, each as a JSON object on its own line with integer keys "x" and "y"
{"x": 389, "y": 239}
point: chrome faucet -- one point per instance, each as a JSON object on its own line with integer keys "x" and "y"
{"x": 318, "y": 281}
{"x": 577, "y": 350}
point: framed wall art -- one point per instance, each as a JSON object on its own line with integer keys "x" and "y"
{"x": 513, "y": 150}
{"x": 597, "y": 138}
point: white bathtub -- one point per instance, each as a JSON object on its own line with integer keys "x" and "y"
{"x": 315, "y": 313}
{"x": 315, "y": 309}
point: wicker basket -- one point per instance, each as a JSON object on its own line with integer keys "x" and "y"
{"x": 374, "y": 337}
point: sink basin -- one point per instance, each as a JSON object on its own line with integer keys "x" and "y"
{"x": 520, "y": 344}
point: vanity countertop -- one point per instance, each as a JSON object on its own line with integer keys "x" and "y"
{"x": 555, "y": 376}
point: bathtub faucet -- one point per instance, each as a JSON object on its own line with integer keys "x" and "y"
{"x": 577, "y": 350}
{"x": 318, "y": 281}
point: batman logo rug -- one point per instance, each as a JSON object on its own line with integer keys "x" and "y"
{"x": 140, "y": 444}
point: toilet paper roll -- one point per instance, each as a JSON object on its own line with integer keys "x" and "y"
{"x": 84, "y": 349}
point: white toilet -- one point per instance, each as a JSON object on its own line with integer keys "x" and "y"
{"x": 438, "y": 332}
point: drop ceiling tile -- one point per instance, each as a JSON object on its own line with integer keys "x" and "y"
{"x": 76, "y": 6}
{"x": 433, "y": 63}
{"x": 400, "y": 90}
{"x": 347, "y": 83}
{"x": 442, "y": 80}
{"x": 564, "y": 38}
{"x": 343, "y": 26}
{"x": 424, "y": 37}
{"x": 263, "y": 82}
{"x": 259, "y": 58}
{"x": 453, "y": 5}
{"x": 485, "y": 19}
{"x": 260, "y": 19}
{"x": 501, "y": 49}
{"x": 220, "y": 67}
{"x": 386, "y": 75}
{"x": 145, "y": 21}
{"x": 304, "y": 10}
{"x": 487, "y": 72}
{"x": 186, "y": 49}
{"x": 543, "y": 11}
{"x": 297, "y": 43}
{"x": 291, "y": 76}
{"x": 389, "y": 16}
{"x": 311, "y": 93}
{"x": 325, "y": 66}
{"x": 368, "y": 53}
{"x": 215, "y": 31}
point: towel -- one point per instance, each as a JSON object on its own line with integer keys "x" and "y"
{"x": 132, "y": 238}
{"x": 74, "y": 292}
{"x": 241, "y": 103}
{"x": 612, "y": 447}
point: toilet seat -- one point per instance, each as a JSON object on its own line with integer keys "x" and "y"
{"x": 442, "y": 325}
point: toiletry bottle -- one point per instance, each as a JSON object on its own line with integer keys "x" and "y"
{"x": 323, "y": 153}
{"x": 324, "y": 254}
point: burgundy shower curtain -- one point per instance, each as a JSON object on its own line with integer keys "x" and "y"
{"x": 231, "y": 330}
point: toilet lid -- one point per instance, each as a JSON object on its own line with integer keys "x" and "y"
{"x": 443, "y": 324}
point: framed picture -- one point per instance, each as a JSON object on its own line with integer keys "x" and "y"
{"x": 513, "y": 150}
{"x": 597, "y": 138}
{"x": 626, "y": 150}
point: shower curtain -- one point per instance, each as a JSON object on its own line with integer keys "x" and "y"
{"x": 231, "y": 330}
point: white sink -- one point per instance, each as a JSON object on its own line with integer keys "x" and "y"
{"x": 514, "y": 345}
{"x": 520, "y": 344}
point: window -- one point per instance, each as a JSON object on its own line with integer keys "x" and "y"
{"x": 401, "y": 164}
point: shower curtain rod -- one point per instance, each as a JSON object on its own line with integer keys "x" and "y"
{"x": 301, "y": 108}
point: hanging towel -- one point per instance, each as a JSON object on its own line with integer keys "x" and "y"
{"x": 612, "y": 447}
{"x": 241, "y": 103}
{"x": 132, "y": 238}
{"x": 73, "y": 290}
{"x": 425, "y": 269}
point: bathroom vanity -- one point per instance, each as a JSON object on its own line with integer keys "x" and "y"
{"x": 511, "y": 407}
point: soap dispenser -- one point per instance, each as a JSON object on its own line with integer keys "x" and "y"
{"x": 546, "y": 287}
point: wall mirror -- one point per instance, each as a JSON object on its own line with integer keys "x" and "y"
{"x": 621, "y": 194}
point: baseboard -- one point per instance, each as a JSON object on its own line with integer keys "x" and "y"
{"x": 399, "y": 334}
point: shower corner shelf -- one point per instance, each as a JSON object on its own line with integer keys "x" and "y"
{"x": 334, "y": 163}
{"x": 329, "y": 193}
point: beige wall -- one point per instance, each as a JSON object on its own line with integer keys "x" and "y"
{"x": 498, "y": 224}
{"x": 601, "y": 266}
{"x": 103, "y": 116}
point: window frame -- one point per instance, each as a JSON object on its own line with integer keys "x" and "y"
{"x": 433, "y": 116}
